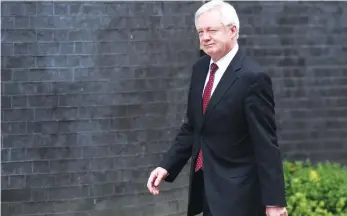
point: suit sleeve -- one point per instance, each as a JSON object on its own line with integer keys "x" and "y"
{"x": 260, "y": 114}
{"x": 181, "y": 149}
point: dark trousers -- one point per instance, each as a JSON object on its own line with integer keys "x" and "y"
{"x": 205, "y": 207}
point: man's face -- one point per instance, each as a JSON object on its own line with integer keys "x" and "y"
{"x": 215, "y": 38}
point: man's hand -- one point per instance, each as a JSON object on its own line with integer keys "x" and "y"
{"x": 155, "y": 179}
{"x": 276, "y": 211}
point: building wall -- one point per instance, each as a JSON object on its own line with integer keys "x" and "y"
{"x": 93, "y": 94}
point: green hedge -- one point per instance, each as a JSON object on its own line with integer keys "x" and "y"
{"x": 316, "y": 189}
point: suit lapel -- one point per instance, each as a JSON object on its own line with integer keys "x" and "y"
{"x": 227, "y": 80}
{"x": 200, "y": 83}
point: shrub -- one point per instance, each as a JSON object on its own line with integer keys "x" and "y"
{"x": 316, "y": 189}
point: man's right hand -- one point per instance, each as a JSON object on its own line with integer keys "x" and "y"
{"x": 154, "y": 180}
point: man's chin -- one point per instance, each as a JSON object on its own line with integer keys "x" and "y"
{"x": 209, "y": 52}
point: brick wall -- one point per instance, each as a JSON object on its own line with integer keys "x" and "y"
{"x": 93, "y": 93}
{"x": 303, "y": 46}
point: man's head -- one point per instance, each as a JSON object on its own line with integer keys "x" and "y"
{"x": 218, "y": 25}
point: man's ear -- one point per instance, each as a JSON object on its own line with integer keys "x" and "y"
{"x": 232, "y": 31}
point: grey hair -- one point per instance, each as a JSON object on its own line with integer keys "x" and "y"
{"x": 227, "y": 11}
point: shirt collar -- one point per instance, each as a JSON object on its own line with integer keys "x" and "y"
{"x": 224, "y": 62}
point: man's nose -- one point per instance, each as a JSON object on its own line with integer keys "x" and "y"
{"x": 205, "y": 37}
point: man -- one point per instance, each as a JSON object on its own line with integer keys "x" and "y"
{"x": 230, "y": 131}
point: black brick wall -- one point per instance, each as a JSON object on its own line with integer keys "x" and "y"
{"x": 93, "y": 93}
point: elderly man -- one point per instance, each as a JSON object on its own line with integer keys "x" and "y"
{"x": 230, "y": 131}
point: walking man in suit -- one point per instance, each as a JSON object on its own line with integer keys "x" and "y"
{"x": 230, "y": 132}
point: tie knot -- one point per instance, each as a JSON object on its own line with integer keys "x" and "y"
{"x": 213, "y": 68}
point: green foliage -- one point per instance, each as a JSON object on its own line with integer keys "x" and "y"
{"x": 316, "y": 189}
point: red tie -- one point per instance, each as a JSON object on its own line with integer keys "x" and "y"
{"x": 205, "y": 99}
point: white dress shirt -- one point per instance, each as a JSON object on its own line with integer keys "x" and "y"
{"x": 222, "y": 64}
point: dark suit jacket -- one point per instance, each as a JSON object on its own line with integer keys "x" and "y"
{"x": 242, "y": 161}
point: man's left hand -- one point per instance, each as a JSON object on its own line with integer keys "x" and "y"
{"x": 276, "y": 211}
